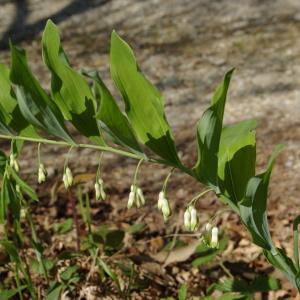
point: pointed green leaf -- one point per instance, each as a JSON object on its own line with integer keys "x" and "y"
{"x": 279, "y": 259}
{"x": 27, "y": 189}
{"x": 236, "y": 160}
{"x": 254, "y": 205}
{"x": 209, "y": 133}
{"x": 8, "y": 294}
{"x": 113, "y": 121}
{"x": 12, "y": 251}
{"x": 9, "y": 200}
{"x": 182, "y": 292}
{"x": 143, "y": 103}
{"x": 35, "y": 105}
{"x": 296, "y": 241}
{"x": 55, "y": 291}
{"x": 12, "y": 117}
{"x": 70, "y": 91}
{"x": 4, "y": 129}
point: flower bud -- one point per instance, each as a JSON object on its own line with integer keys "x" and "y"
{"x": 16, "y": 166}
{"x": 161, "y": 196}
{"x": 13, "y": 162}
{"x": 187, "y": 219}
{"x": 140, "y": 195}
{"x": 69, "y": 176}
{"x": 208, "y": 227}
{"x": 131, "y": 199}
{"x": 214, "y": 242}
{"x": 97, "y": 191}
{"x": 23, "y": 213}
{"x": 165, "y": 208}
{"x": 66, "y": 182}
{"x": 42, "y": 173}
{"x": 18, "y": 189}
{"x": 194, "y": 218}
{"x": 102, "y": 192}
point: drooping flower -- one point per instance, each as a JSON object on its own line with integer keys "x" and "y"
{"x": 187, "y": 219}
{"x": 68, "y": 178}
{"x": 42, "y": 174}
{"x": 13, "y": 162}
{"x": 190, "y": 218}
{"x": 131, "y": 198}
{"x": 99, "y": 190}
{"x": 194, "y": 218}
{"x": 214, "y": 242}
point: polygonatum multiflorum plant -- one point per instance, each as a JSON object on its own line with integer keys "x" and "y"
{"x": 226, "y": 154}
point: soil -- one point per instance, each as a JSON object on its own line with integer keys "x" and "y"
{"x": 184, "y": 47}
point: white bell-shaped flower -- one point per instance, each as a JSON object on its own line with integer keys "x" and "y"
{"x": 214, "y": 242}
{"x": 187, "y": 219}
{"x": 42, "y": 174}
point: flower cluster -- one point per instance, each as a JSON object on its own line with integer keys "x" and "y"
{"x": 99, "y": 189}
{"x": 211, "y": 236}
{"x": 136, "y": 197}
{"x": 190, "y": 218}
{"x": 13, "y": 162}
{"x": 42, "y": 174}
{"x": 67, "y": 178}
{"x": 163, "y": 205}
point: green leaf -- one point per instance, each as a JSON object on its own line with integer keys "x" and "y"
{"x": 209, "y": 130}
{"x": 261, "y": 283}
{"x": 182, "y": 293}
{"x": 37, "y": 267}
{"x": 108, "y": 270}
{"x": 9, "y": 200}
{"x": 236, "y": 160}
{"x": 254, "y": 205}
{"x": 278, "y": 258}
{"x": 8, "y": 294}
{"x": 12, "y": 251}
{"x": 55, "y": 291}
{"x": 206, "y": 254}
{"x": 35, "y": 105}
{"x": 114, "y": 239}
{"x": 67, "y": 274}
{"x": 296, "y": 241}
{"x": 4, "y": 129}
{"x": 63, "y": 227}
{"x": 143, "y": 104}
{"x": 112, "y": 119}
{"x": 136, "y": 228}
{"x": 234, "y": 296}
{"x": 70, "y": 91}
{"x": 3, "y": 161}
{"x": 264, "y": 283}
{"x": 11, "y": 114}
{"x": 27, "y": 189}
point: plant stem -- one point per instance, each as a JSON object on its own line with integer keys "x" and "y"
{"x": 97, "y": 147}
{"x": 199, "y": 196}
{"x": 136, "y": 171}
{"x": 225, "y": 269}
{"x": 167, "y": 180}
{"x": 75, "y": 218}
{"x": 296, "y": 242}
{"x": 63, "y": 143}
{"x": 35, "y": 238}
{"x": 18, "y": 283}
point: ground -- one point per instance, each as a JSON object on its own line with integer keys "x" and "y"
{"x": 184, "y": 47}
